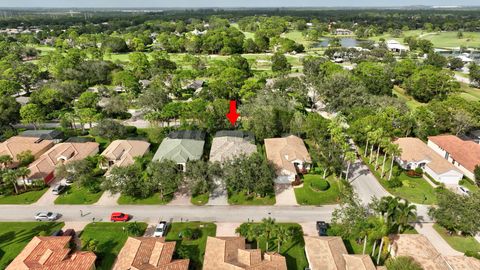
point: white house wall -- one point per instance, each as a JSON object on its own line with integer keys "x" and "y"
{"x": 448, "y": 178}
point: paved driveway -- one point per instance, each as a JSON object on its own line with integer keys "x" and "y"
{"x": 108, "y": 199}
{"x": 365, "y": 183}
{"x": 285, "y": 195}
{"x": 219, "y": 196}
{"x": 227, "y": 228}
{"x": 437, "y": 241}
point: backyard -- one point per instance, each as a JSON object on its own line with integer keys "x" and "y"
{"x": 194, "y": 248}
{"x": 28, "y": 197}
{"x": 317, "y": 191}
{"x": 111, "y": 237}
{"x": 75, "y": 194}
{"x": 14, "y": 236}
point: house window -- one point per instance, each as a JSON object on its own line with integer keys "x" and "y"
{"x": 447, "y": 155}
{"x": 180, "y": 167}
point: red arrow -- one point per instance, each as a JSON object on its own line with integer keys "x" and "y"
{"x": 233, "y": 115}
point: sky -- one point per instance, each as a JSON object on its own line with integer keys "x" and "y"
{"x": 230, "y": 3}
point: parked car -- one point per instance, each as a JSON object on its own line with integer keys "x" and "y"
{"x": 463, "y": 191}
{"x": 119, "y": 216}
{"x": 160, "y": 229}
{"x": 322, "y": 227}
{"x": 68, "y": 180}
{"x": 69, "y": 232}
{"x": 58, "y": 189}
{"x": 57, "y": 233}
{"x": 47, "y": 216}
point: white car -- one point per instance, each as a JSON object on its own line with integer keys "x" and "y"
{"x": 463, "y": 191}
{"x": 161, "y": 229}
{"x": 47, "y": 216}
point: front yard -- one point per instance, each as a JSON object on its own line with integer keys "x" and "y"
{"x": 76, "y": 194}
{"x": 111, "y": 237}
{"x": 458, "y": 242}
{"x": 315, "y": 192}
{"x": 194, "y": 249}
{"x": 28, "y": 197}
{"x": 200, "y": 199}
{"x": 14, "y": 236}
{"x": 242, "y": 198}
{"x": 155, "y": 199}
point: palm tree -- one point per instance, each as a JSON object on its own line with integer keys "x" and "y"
{"x": 405, "y": 212}
{"x": 382, "y": 144}
{"x": 349, "y": 157}
{"x": 376, "y": 135}
{"x": 248, "y": 231}
{"x": 268, "y": 230}
{"x": 23, "y": 172}
{"x": 394, "y": 151}
{"x": 378, "y": 229}
{"x": 283, "y": 235}
{"x": 369, "y": 134}
{"x": 11, "y": 177}
{"x": 5, "y": 160}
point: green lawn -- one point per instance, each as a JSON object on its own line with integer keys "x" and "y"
{"x": 195, "y": 248}
{"x": 458, "y": 242}
{"x": 75, "y": 194}
{"x": 293, "y": 250}
{"x": 111, "y": 237}
{"x": 155, "y": 199}
{"x": 450, "y": 40}
{"x": 469, "y": 93}
{"x": 307, "y": 196}
{"x": 201, "y": 199}
{"x": 24, "y": 198}
{"x": 400, "y": 93}
{"x": 14, "y": 236}
{"x": 241, "y": 198}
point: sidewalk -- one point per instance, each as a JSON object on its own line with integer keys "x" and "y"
{"x": 437, "y": 241}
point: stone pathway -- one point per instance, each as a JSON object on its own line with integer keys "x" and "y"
{"x": 436, "y": 239}
{"x": 227, "y": 228}
{"x": 108, "y": 198}
{"x": 285, "y": 195}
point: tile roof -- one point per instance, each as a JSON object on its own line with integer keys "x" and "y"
{"x": 123, "y": 152}
{"x": 226, "y": 253}
{"x": 179, "y": 150}
{"x": 467, "y": 153}
{"x": 420, "y": 249}
{"x": 17, "y": 144}
{"x": 52, "y": 253}
{"x": 148, "y": 253}
{"x": 462, "y": 262}
{"x": 65, "y": 152}
{"x": 283, "y": 151}
{"x": 228, "y": 145}
{"x": 414, "y": 149}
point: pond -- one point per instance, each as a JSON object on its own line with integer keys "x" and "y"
{"x": 346, "y": 42}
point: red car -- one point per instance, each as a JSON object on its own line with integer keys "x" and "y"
{"x": 118, "y": 216}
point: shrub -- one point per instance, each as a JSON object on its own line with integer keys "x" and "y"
{"x": 394, "y": 183}
{"x": 402, "y": 263}
{"x": 471, "y": 253}
{"x": 415, "y": 173}
{"x": 320, "y": 185}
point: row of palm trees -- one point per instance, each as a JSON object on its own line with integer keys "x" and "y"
{"x": 267, "y": 230}
{"x": 10, "y": 176}
{"x": 377, "y": 140}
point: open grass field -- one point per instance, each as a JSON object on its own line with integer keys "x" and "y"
{"x": 194, "y": 247}
{"x": 14, "y": 236}
{"x": 306, "y": 195}
{"x": 458, "y": 242}
{"x": 75, "y": 194}
{"x": 111, "y": 237}
{"x": 450, "y": 39}
{"x": 24, "y": 198}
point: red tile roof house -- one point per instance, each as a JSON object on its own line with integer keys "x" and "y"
{"x": 464, "y": 155}
{"x": 52, "y": 253}
{"x": 62, "y": 153}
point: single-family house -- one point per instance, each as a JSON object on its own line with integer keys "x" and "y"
{"x": 228, "y": 253}
{"x": 62, "y": 153}
{"x": 181, "y": 146}
{"x": 395, "y": 46}
{"x": 51, "y": 253}
{"x": 464, "y": 155}
{"x": 419, "y": 248}
{"x": 53, "y": 135}
{"x": 228, "y": 144}
{"x": 289, "y": 156}
{"x": 329, "y": 252}
{"x": 123, "y": 153}
{"x": 152, "y": 253}
{"x": 416, "y": 154}
{"x": 18, "y": 144}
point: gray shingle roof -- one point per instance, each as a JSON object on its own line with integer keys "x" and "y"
{"x": 179, "y": 150}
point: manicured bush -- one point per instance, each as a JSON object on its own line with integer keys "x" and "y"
{"x": 415, "y": 173}
{"x": 394, "y": 183}
{"x": 320, "y": 185}
{"x": 471, "y": 253}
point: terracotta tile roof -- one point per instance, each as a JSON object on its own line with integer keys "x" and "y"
{"x": 52, "y": 253}
{"x": 227, "y": 147}
{"x": 148, "y": 253}
{"x": 420, "y": 249}
{"x": 17, "y": 144}
{"x": 414, "y": 149}
{"x": 462, "y": 262}
{"x": 62, "y": 152}
{"x": 358, "y": 262}
{"x": 226, "y": 253}
{"x": 123, "y": 152}
{"x": 467, "y": 153}
{"x": 283, "y": 151}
